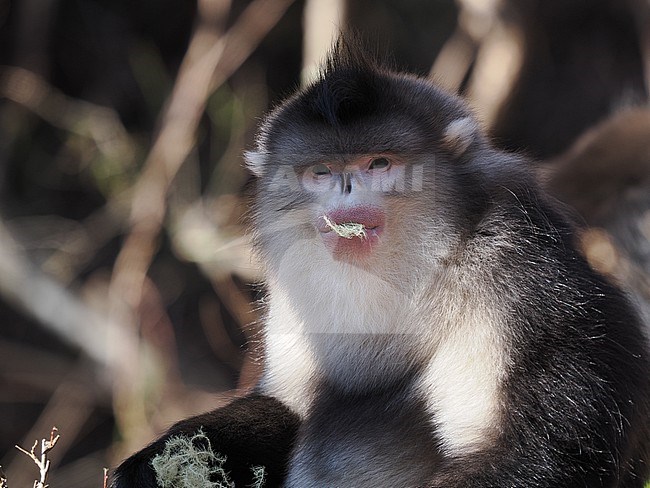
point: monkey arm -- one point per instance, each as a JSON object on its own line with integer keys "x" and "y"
{"x": 528, "y": 462}
{"x": 525, "y": 465}
{"x": 563, "y": 427}
{"x": 255, "y": 430}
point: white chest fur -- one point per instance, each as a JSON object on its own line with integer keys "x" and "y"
{"x": 461, "y": 384}
{"x": 319, "y": 318}
{"x": 333, "y": 314}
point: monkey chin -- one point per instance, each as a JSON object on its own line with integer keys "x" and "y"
{"x": 353, "y": 248}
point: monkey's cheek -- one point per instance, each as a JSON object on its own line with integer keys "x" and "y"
{"x": 355, "y": 248}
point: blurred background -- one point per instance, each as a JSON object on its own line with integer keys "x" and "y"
{"x": 127, "y": 284}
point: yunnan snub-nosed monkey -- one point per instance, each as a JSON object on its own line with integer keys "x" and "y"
{"x": 430, "y": 322}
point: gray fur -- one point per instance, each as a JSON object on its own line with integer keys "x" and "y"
{"x": 474, "y": 347}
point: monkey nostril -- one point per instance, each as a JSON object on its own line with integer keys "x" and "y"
{"x": 346, "y": 182}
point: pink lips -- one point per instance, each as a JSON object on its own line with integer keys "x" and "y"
{"x": 372, "y": 218}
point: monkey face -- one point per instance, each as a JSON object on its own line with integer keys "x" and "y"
{"x": 364, "y": 167}
{"x": 355, "y": 207}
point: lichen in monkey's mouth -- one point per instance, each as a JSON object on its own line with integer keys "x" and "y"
{"x": 351, "y": 232}
{"x": 347, "y": 230}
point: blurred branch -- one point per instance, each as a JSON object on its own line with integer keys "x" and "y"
{"x": 56, "y": 308}
{"x": 245, "y": 35}
{"x": 218, "y": 250}
{"x": 117, "y": 332}
{"x": 454, "y": 60}
{"x": 486, "y": 48}
{"x": 323, "y": 20}
{"x": 85, "y": 119}
{"x": 99, "y": 228}
{"x": 211, "y": 59}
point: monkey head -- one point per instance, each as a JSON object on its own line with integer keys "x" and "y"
{"x": 370, "y": 167}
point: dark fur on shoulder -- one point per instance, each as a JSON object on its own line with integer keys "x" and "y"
{"x": 576, "y": 406}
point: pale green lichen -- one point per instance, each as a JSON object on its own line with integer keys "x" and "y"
{"x": 259, "y": 476}
{"x": 347, "y": 230}
{"x": 190, "y": 462}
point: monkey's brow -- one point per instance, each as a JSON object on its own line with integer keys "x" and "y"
{"x": 305, "y": 160}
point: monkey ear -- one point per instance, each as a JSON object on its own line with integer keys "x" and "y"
{"x": 255, "y": 162}
{"x": 459, "y": 134}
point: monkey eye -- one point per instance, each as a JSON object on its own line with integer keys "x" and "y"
{"x": 320, "y": 170}
{"x": 379, "y": 163}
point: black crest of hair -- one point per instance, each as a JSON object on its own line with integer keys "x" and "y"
{"x": 359, "y": 105}
{"x": 348, "y": 88}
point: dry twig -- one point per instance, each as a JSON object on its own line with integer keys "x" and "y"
{"x": 211, "y": 58}
{"x": 41, "y": 459}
